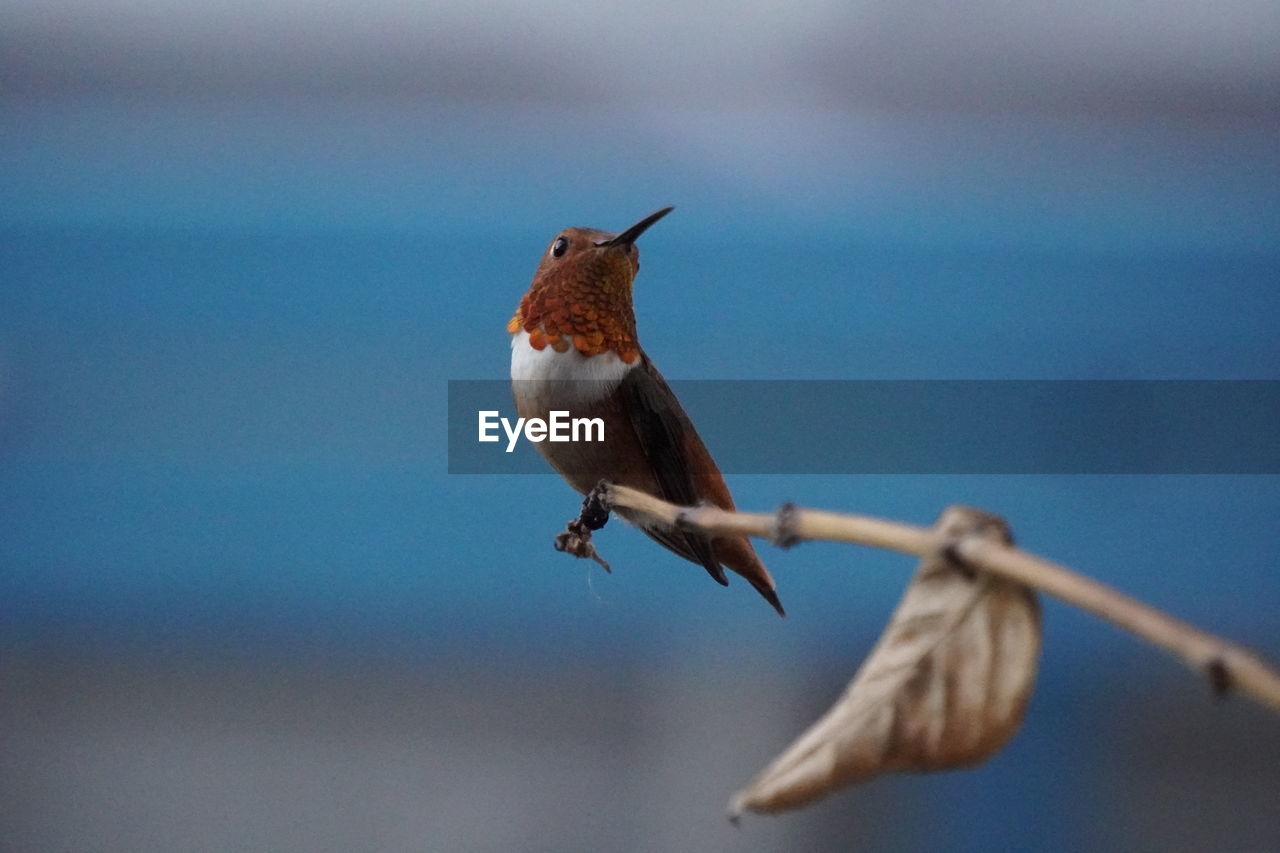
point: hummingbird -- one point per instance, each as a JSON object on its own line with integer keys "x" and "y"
{"x": 574, "y": 348}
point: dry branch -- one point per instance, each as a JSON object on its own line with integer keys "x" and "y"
{"x": 966, "y": 619}
{"x": 1227, "y": 665}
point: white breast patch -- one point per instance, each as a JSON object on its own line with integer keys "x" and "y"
{"x": 546, "y": 363}
{"x": 583, "y": 376}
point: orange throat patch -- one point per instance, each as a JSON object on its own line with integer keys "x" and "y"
{"x": 589, "y": 312}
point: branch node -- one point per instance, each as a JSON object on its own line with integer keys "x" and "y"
{"x": 684, "y": 521}
{"x": 1219, "y": 677}
{"x": 784, "y": 533}
{"x": 951, "y": 553}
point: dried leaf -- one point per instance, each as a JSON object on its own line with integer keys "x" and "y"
{"x": 945, "y": 686}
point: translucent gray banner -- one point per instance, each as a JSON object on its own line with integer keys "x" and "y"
{"x": 930, "y": 427}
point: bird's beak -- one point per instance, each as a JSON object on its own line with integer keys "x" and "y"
{"x": 626, "y": 238}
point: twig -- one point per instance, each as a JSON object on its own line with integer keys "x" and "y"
{"x": 1226, "y": 665}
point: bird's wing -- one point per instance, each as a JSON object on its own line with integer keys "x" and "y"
{"x": 661, "y": 426}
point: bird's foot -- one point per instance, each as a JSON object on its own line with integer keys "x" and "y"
{"x": 595, "y": 507}
{"x": 575, "y": 539}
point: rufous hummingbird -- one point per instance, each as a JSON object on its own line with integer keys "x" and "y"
{"x": 574, "y": 349}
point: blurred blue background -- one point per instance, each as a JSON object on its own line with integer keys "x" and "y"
{"x": 244, "y": 247}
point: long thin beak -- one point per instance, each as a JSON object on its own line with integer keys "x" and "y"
{"x": 626, "y": 238}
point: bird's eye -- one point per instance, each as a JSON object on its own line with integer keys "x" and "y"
{"x": 559, "y": 247}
